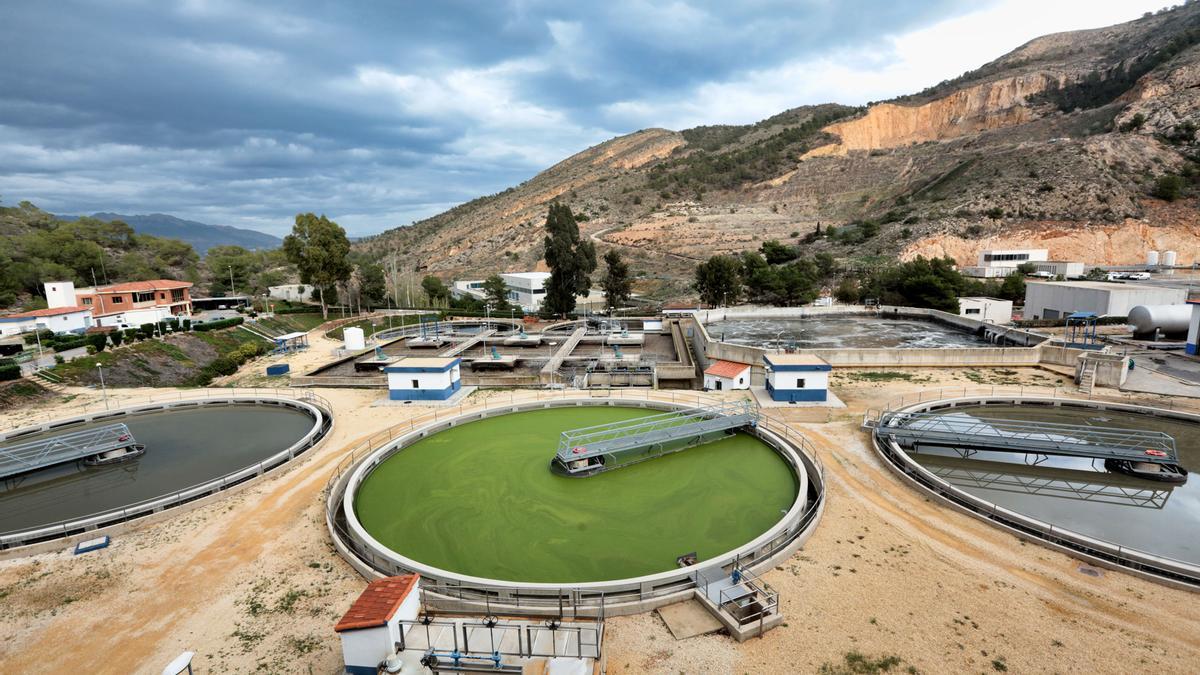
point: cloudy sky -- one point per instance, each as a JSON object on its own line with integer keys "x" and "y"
{"x": 380, "y": 112}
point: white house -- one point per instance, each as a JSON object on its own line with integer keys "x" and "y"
{"x": 292, "y": 292}
{"x": 1002, "y": 262}
{"x": 992, "y": 310}
{"x": 726, "y": 375}
{"x": 56, "y": 319}
{"x": 797, "y": 377}
{"x": 424, "y": 378}
{"x": 372, "y": 626}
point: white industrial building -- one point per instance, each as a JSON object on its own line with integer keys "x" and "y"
{"x": 1193, "y": 338}
{"x": 56, "y": 319}
{"x": 424, "y": 378}
{"x": 292, "y": 292}
{"x": 991, "y": 310}
{"x": 1058, "y": 268}
{"x": 525, "y": 290}
{"x": 1056, "y": 299}
{"x": 1002, "y": 262}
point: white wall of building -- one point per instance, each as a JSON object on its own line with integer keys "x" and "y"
{"x": 60, "y": 294}
{"x": 1011, "y": 257}
{"x": 292, "y": 292}
{"x": 1058, "y": 299}
{"x": 135, "y": 317}
{"x": 788, "y": 379}
{"x": 742, "y": 381}
{"x": 993, "y": 310}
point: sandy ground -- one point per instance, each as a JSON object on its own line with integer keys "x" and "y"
{"x": 250, "y": 582}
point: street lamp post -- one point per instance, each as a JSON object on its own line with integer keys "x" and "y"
{"x": 231, "y": 289}
{"x": 103, "y": 389}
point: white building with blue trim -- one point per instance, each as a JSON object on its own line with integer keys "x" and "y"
{"x": 424, "y": 378}
{"x": 797, "y": 377}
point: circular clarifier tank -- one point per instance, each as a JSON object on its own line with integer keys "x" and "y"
{"x": 479, "y": 500}
{"x": 193, "y": 448}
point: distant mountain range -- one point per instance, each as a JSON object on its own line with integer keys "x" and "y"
{"x": 201, "y": 236}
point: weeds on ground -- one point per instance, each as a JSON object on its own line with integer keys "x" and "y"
{"x": 855, "y": 663}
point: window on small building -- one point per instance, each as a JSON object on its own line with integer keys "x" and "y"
{"x": 144, "y": 297}
{"x": 162, "y": 296}
{"x": 87, "y": 301}
{"x": 416, "y": 385}
{"x": 117, "y": 299}
{"x": 799, "y": 382}
{"x": 972, "y": 310}
{"x": 177, "y": 294}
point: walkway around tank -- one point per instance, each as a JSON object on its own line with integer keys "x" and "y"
{"x": 67, "y": 447}
{"x": 967, "y": 434}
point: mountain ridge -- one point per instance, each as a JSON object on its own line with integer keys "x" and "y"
{"x": 202, "y": 236}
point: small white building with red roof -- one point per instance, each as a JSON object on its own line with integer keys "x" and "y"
{"x": 371, "y": 628}
{"x": 726, "y": 375}
{"x": 56, "y": 319}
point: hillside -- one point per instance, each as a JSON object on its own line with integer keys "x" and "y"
{"x": 1061, "y": 140}
{"x": 201, "y": 236}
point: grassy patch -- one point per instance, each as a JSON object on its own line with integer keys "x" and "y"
{"x": 885, "y": 376}
{"x": 854, "y": 663}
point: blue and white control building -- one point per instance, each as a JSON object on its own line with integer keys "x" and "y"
{"x": 424, "y": 378}
{"x": 797, "y": 377}
{"x": 1193, "y": 338}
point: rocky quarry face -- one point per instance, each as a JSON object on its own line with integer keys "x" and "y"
{"x": 1056, "y": 145}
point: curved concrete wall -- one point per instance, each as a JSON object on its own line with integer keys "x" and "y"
{"x": 373, "y": 559}
{"x": 1103, "y": 553}
{"x": 314, "y": 406}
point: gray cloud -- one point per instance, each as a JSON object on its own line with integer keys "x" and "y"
{"x": 376, "y": 113}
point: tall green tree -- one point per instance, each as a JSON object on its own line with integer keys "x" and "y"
{"x": 616, "y": 282}
{"x": 571, "y": 260}
{"x": 318, "y": 247}
{"x": 436, "y": 289}
{"x": 718, "y": 280}
{"x": 496, "y": 291}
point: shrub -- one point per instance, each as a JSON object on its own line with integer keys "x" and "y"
{"x": 187, "y": 324}
{"x": 1168, "y": 187}
{"x": 131, "y": 334}
{"x": 218, "y": 325}
{"x": 64, "y": 345}
{"x": 59, "y": 359}
{"x": 44, "y": 335}
{"x": 117, "y": 337}
{"x": 10, "y": 372}
{"x": 97, "y": 341}
{"x": 223, "y": 365}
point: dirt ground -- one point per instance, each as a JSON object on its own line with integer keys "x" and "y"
{"x": 251, "y": 584}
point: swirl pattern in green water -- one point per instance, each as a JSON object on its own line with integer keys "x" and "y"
{"x": 480, "y": 500}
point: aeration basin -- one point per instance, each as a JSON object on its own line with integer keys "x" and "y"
{"x": 193, "y": 448}
{"x": 471, "y": 503}
{"x": 1077, "y": 504}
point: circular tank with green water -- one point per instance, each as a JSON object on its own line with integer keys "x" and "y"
{"x": 479, "y": 500}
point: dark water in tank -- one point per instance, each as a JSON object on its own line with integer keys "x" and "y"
{"x": 183, "y": 448}
{"x": 842, "y": 333}
{"x": 1075, "y": 494}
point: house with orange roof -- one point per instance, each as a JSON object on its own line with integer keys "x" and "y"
{"x": 726, "y": 375}
{"x": 126, "y": 304}
{"x": 372, "y": 626}
{"x": 57, "y": 319}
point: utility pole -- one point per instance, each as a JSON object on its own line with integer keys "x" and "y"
{"x": 231, "y": 291}
{"x": 103, "y": 389}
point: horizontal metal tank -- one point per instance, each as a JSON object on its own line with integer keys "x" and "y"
{"x": 1146, "y": 319}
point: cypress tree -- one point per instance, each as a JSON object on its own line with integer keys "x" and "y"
{"x": 570, "y": 258}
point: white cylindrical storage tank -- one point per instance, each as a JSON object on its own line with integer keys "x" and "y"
{"x": 1169, "y": 257}
{"x": 354, "y": 339}
{"x": 1169, "y": 319}
{"x": 1151, "y": 258}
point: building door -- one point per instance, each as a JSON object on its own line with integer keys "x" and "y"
{"x": 718, "y": 385}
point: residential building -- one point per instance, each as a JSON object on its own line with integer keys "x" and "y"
{"x": 56, "y": 319}
{"x": 991, "y": 310}
{"x": 127, "y": 304}
{"x": 1002, "y": 262}
{"x": 1057, "y": 299}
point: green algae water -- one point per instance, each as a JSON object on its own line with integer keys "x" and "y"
{"x": 480, "y": 500}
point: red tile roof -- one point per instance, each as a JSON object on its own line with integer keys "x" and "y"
{"x": 134, "y": 286}
{"x": 377, "y": 603}
{"x": 46, "y": 312}
{"x": 727, "y": 369}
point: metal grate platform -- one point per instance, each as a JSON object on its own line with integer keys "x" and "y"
{"x": 68, "y": 447}
{"x": 661, "y": 434}
{"x": 967, "y": 433}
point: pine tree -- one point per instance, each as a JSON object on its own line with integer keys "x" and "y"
{"x": 570, "y": 258}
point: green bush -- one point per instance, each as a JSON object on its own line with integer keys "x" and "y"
{"x": 187, "y": 325}
{"x": 97, "y": 341}
{"x": 12, "y": 372}
{"x": 1168, "y": 187}
{"x": 45, "y": 335}
{"x": 64, "y": 345}
{"x": 131, "y": 334}
{"x": 117, "y": 337}
{"x": 223, "y": 365}
{"x": 218, "y": 325}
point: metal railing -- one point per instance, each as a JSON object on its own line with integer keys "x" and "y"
{"x": 566, "y": 598}
{"x": 488, "y": 640}
{"x": 66, "y": 447}
{"x": 958, "y": 430}
{"x": 601, "y": 439}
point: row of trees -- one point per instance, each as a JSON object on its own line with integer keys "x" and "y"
{"x": 923, "y": 282}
